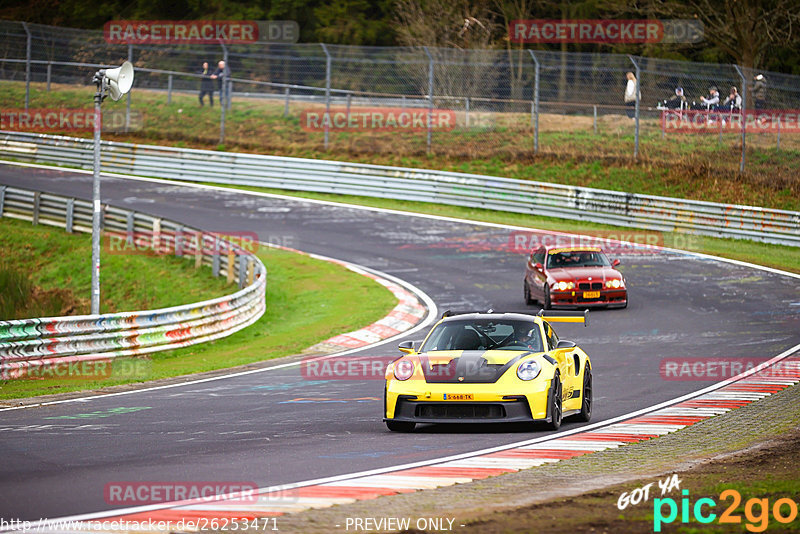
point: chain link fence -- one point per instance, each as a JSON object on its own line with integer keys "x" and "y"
{"x": 499, "y": 103}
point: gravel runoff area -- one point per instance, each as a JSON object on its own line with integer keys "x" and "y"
{"x": 504, "y": 503}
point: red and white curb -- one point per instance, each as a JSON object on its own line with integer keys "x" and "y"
{"x": 734, "y": 393}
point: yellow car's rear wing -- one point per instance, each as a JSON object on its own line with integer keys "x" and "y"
{"x": 553, "y": 316}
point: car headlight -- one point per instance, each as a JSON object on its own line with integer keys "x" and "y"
{"x": 615, "y": 284}
{"x": 528, "y": 370}
{"x": 563, "y": 286}
{"x": 403, "y": 369}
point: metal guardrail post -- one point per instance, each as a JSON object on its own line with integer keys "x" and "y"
{"x": 169, "y": 89}
{"x": 466, "y": 111}
{"x": 636, "y": 116}
{"x": 215, "y": 257}
{"x": 327, "y": 91}
{"x": 535, "y": 103}
{"x": 70, "y": 215}
{"x": 242, "y": 270}
{"x": 27, "y": 65}
{"x": 594, "y": 121}
{"x": 286, "y": 103}
{"x": 430, "y": 96}
{"x": 49, "y": 73}
{"x": 3, "y": 189}
{"x": 179, "y": 241}
{"x": 744, "y": 117}
{"x": 349, "y": 101}
{"x": 36, "y": 206}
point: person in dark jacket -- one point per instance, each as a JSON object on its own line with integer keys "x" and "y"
{"x": 206, "y": 85}
{"x": 221, "y": 75}
{"x": 760, "y": 91}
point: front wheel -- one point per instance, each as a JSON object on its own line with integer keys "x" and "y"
{"x": 400, "y": 426}
{"x": 586, "y": 405}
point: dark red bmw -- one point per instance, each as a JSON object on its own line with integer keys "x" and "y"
{"x": 573, "y": 277}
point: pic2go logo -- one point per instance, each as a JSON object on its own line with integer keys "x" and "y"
{"x": 756, "y": 511}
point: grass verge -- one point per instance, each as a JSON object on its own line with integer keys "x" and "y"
{"x": 693, "y": 166}
{"x": 308, "y": 301}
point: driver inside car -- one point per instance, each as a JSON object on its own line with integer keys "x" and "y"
{"x": 527, "y": 337}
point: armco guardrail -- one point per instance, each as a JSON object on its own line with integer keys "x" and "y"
{"x": 470, "y": 190}
{"x": 30, "y": 343}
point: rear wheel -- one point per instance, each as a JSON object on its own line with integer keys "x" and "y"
{"x": 556, "y": 410}
{"x": 527, "y": 292}
{"x": 400, "y": 426}
{"x": 586, "y": 405}
{"x": 546, "y": 304}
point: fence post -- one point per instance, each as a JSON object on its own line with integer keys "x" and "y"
{"x": 744, "y": 116}
{"x": 222, "y": 87}
{"x": 466, "y": 111}
{"x": 594, "y": 122}
{"x": 327, "y": 91}
{"x": 430, "y": 96}
{"x": 169, "y": 89}
{"x": 242, "y": 270}
{"x": 535, "y": 103}
{"x": 778, "y": 143}
{"x": 215, "y": 257}
{"x": 636, "y": 116}
{"x": 27, "y": 65}
{"x": 349, "y": 99}
{"x": 49, "y": 73}
{"x": 286, "y": 104}
{"x": 2, "y": 199}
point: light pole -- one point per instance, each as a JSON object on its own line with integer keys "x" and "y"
{"x": 113, "y": 83}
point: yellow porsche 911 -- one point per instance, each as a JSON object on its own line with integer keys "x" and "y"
{"x": 490, "y": 368}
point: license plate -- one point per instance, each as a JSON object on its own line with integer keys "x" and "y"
{"x": 459, "y": 396}
{"x": 591, "y": 294}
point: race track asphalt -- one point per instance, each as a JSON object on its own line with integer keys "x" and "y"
{"x": 56, "y": 460}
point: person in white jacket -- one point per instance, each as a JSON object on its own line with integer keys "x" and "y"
{"x": 630, "y": 95}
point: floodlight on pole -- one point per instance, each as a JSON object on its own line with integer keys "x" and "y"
{"x": 114, "y": 83}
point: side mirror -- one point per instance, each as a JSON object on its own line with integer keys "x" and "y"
{"x": 564, "y": 344}
{"x": 406, "y": 346}
{"x": 615, "y": 263}
{"x": 539, "y": 267}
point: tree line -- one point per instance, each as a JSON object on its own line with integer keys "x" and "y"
{"x": 760, "y": 34}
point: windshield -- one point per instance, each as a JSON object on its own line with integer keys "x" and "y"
{"x": 484, "y": 334}
{"x": 576, "y": 258}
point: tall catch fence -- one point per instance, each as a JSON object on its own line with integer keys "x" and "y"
{"x": 499, "y": 102}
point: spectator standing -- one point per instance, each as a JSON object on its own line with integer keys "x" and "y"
{"x": 760, "y": 91}
{"x": 206, "y": 85}
{"x": 221, "y": 75}
{"x": 631, "y": 88}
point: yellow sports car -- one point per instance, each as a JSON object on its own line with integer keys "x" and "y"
{"x": 490, "y": 368}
